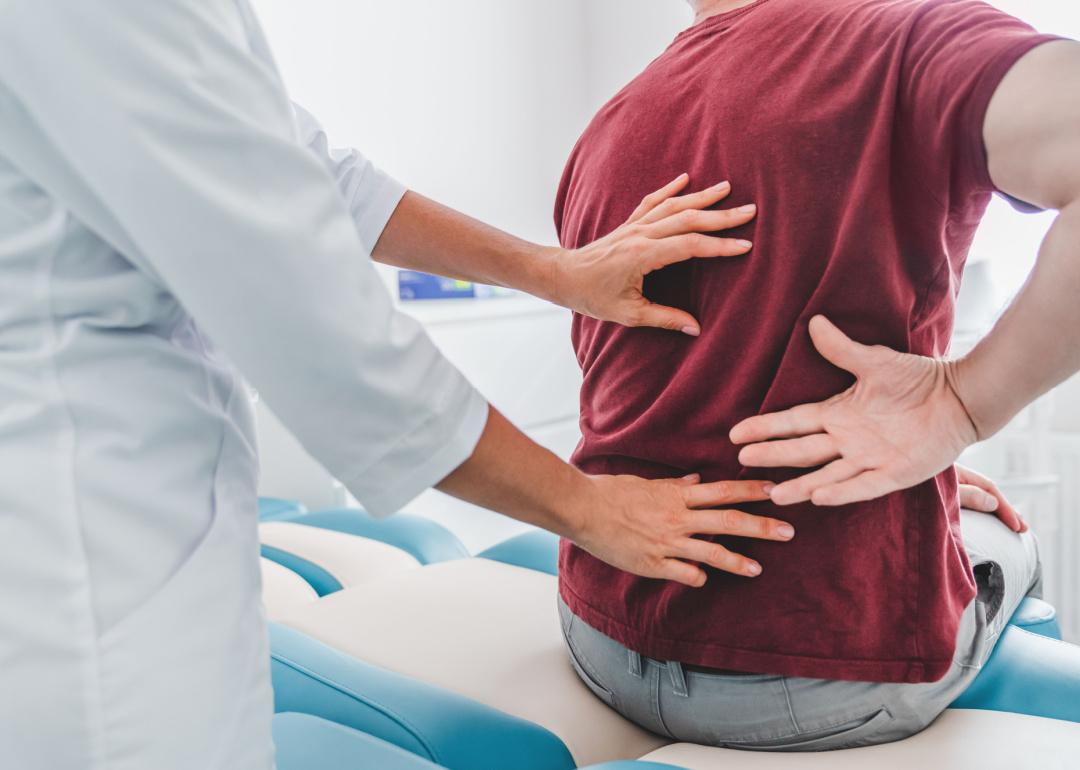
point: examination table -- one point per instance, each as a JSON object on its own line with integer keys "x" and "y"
{"x": 393, "y": 649}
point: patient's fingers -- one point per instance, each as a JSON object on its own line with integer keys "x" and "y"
{"x": 800, "y": 490}
{"x": 681, "y": 572}
{"x": 805, "y": 452}
{"x": 801, "y": 420}
{"x": 726, "y": 493}
{"x": 700, "y": 200}
{"x": 696, "y": 221}
{"x": 868, "y": 485}
{"x": 740, "y": 524}
{"x": 715, "y": 555}
{"x": 652, "y": 200}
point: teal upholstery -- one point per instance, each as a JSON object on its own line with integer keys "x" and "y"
{"x": 445, "y": 728}
{"x": 277, "y": 509}
{"x": 1028, "y": 674}
{"x": 305, "y": 742}
{"x": 1038, "y": 617}
{"x": 423, "y": 538}
{"x": 318, "y": 578}
{"x": 537, "y": 550}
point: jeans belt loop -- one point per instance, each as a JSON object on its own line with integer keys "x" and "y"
{"x": 678, "y": 678}
{"x": 635, "y": 663}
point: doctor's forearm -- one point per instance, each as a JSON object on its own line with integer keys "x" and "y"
{"x": 511, "y": 474}
{"x": 645, "y": 527}
{"x": 425, "y": 235}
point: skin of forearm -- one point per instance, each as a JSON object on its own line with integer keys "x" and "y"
{"x": 1036, "y": 343}
{"x": 1033, "y": 151}
{"x": 509, "y": 473}
{"x": 427, "y": 236}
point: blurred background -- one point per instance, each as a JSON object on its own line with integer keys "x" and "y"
{"x": 477, "y": 103}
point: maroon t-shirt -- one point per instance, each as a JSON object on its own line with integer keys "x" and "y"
{"x": 856, "y": 125}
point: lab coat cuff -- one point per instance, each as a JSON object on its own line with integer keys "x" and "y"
{"x": 372, "y": 211}
{"x": 383, "y": 492}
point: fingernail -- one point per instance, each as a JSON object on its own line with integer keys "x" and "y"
{"x": 722, "y": 186}
{"x": 990, "y": 502}
{"x": 747, "y": 209}
{"x": 691, "y": 331}
{"x": 786, "y": 530}
{"x": 768, "y": 487}
{"x": 753, "y": 569}
{"x": 745, "y": 244}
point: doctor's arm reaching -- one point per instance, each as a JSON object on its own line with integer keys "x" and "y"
{"x": 907, "y": 417}
{"x": 603, "y": 280}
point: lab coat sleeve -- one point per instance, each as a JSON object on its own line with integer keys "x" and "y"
{"x": 177, "y": 144}
{"x": 370, "y": 194}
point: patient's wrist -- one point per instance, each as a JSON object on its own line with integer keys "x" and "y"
{"x": 979, "y": 399}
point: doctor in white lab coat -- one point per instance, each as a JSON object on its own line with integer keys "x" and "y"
{"x": 167, "y": 220}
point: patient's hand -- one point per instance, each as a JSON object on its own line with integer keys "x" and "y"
{"x": 605, "y": 279}
{"x": 900, "y": 424}
{"x": 978, "y": 493}
{"x": 649, "y": 528}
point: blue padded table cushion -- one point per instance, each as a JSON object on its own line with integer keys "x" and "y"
{"x": 631, "y": 765}
{"x": 426, "y": 540}
{"x": 443, "y": 727}
{"x": 537, "y": 550}
{"x": 1028, "y": 673}
{"x": 1038, "y": 617}
{"x": 305, "y": 742}
{"x": 277, "y": 509}
{"x": 318, "y": 578}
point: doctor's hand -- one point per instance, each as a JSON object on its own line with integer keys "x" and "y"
{"x": 605, "y": 279}
{"x": 649, "y": 527}
{"x": 900, "y": 424}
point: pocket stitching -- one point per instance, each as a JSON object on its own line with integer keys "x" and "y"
{"x": 584, "y": 665}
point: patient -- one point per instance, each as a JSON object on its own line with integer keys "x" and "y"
{"x": 857, "y": 126}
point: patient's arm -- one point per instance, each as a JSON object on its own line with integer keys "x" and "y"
{"x": 908, "y": 418}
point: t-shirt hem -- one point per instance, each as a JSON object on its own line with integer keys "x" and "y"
{"x": 711, "y": 655}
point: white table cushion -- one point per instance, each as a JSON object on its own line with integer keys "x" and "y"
{"x": 350, "y": 559}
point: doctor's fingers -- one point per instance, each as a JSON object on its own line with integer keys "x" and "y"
{"x": 663, "y": 317}
{"x": 652, "y": 200}
{"x": 738, "y": 524}
{"x": 802, "y": 420}
{"x": 801, "y": 489}
{"x": 679, "y": 248}
{"x": 804, "y": 452}
{"x": 680, "y": 572}
{"x": 710, "y": 196}
{"x": 726, "y": 493}
{"x": 715, "y": 555}
{"x": 696, "y": 221}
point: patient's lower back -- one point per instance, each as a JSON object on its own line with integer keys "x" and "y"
{"x": 855, "y": 125}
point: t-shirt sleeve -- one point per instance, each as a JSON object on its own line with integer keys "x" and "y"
{"x": 956, "y": 54}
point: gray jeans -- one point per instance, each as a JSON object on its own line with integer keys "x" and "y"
{"x": 778, "y": 713}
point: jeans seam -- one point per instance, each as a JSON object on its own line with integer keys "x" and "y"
{"x": 790, "y": 706}
{"x": 585, "y": 665}
{"x": 655, "y": 669}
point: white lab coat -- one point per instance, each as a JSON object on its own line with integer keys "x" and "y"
{"x": 160, "y": 221}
